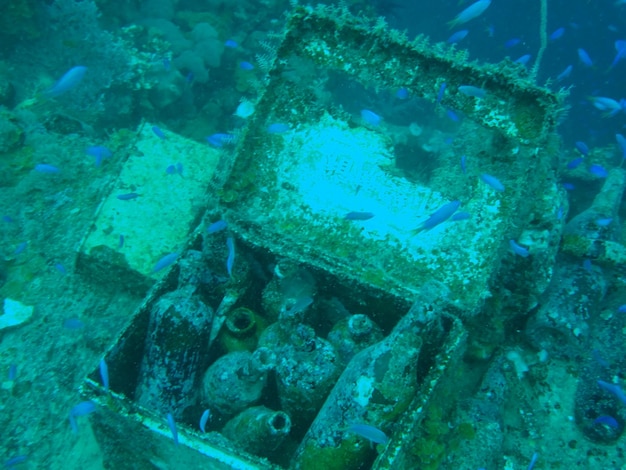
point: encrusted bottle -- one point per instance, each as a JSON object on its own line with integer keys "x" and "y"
{"x": 176, "y": 346}
{"x": 376, "y": 387}
{"x": 353, "y": 334}
{"x": 258, "y": 430}
{"x": 594, "y": 233}
{"x": 236, "y": 380}
{"x": 306, "y": 369}
{"x": 560, "y": 325}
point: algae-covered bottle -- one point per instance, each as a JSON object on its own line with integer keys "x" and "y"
{"x": 235, "y": 381}
{"x": 258, "y": 430}
{"x": 307, "y": 369}
{"x": 561, "y": 324}
{"x": 376, "y": 387}
{"x": 176, "y": 348}
{"x": 176, "y": 343}
{"x": 595, "y": 233}
{"x": 351, "y": 335}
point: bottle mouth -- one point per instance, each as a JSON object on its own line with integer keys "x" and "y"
{"x": 240, "y": 321}
{"x": 264, "y": 358}
{"x": 279, "y": 423}
{"x": 359, "y": 325}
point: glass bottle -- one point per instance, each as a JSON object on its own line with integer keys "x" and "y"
{"x": 258, "y": 430}
{"x": 353, "y": 334}
{"x": 176, "y": 346}
{"x": 236, "y": 380}
{"x": 595, "y": 232}
{"x": 307, "y": 368}
{"x": 376, "y": 387}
